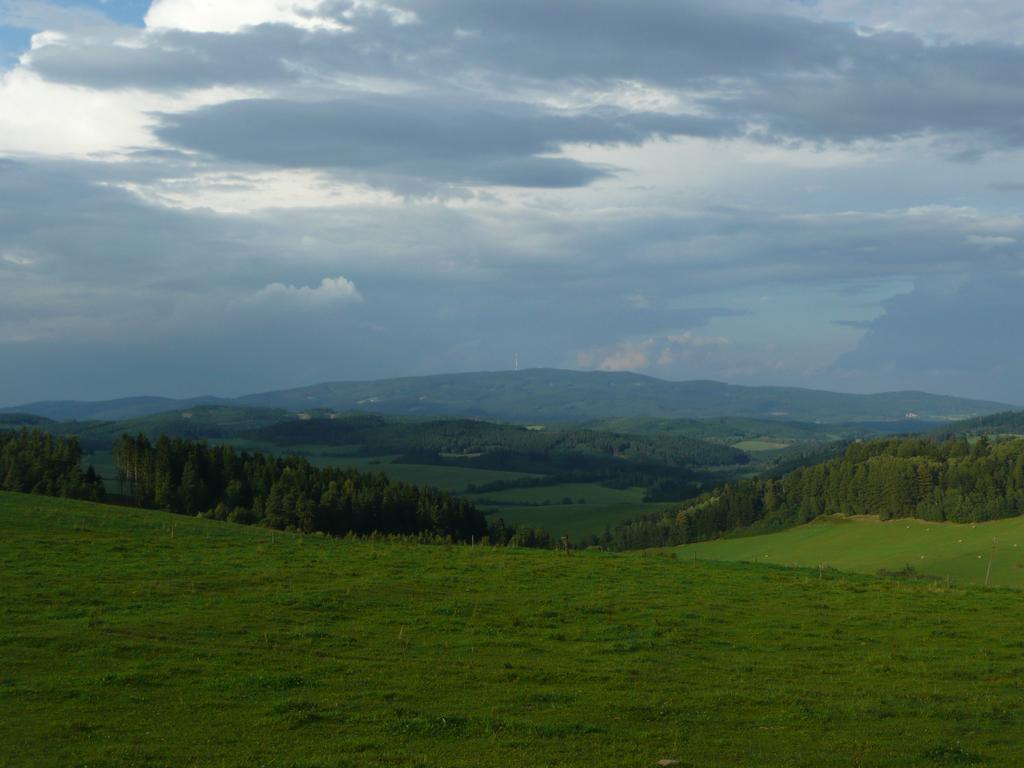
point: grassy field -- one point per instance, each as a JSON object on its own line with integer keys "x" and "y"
{"x": 866, "y": 545}
{"x": 135, "y": 638}
{"x": 577, "y": 521}
{"x": 593, "y": 508}
{"x": 756, "y": 446}
{"x": 578, "y": 493}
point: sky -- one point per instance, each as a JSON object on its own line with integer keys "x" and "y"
{"x": 232, "y": 196}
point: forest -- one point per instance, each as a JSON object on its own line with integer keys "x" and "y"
{"x": 193, "y": 478}
{"x": 943, "y": 480}
{"x": 36, "y": 462}
{"x": 500, "y": 446}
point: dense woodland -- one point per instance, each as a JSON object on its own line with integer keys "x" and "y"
{"x": 497, "y": 446}
{"x": 35, "y": 462}
{"x": 951, "y": 480}
{"x": 670, "y": 465}
{"x": 1007, "y": 423}
{"x": 193, "y": 478}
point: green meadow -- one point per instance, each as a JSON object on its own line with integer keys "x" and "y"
{"x": 759, "y": 445}
{"x": 134, "y": 638}
{"x": 961, "y": 552}
{"x": 576, "y": 521}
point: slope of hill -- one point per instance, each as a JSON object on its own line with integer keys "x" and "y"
{"x": 139, "y": 638}
{"x": 544, "y": 395}
{"x": 203, "y": 421}
{"x": 548, "y": 395}
{"x": 1006, "y": 423}
{"x": 109, "y": 410}
{"x": 949, "y": 480}
{"x": 867, "y": 545}
{"x": 735, "y": 429}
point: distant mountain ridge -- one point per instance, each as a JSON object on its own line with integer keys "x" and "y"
{"x": 552, "y": 395}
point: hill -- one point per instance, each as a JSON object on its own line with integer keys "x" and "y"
{"x": 548, "y": 395}
{"x": 998, "y": 424}
{"x": 198, "y": 422}
{"x": 180, "y": 637}
{"x": 949, "y": 480}
{"x": 959, "y": 552}
{"x": 737, "y": 429}
{"x": 109, "y": 410}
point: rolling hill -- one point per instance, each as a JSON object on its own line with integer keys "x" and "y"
{"x": 135, "y": 638}
{"x": 550, "y": 396}
{"x": 960, "y": 552}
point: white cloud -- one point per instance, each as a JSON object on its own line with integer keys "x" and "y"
{"x": 17, "y": 258}
{"x": 629, "y": 356}
{"x": 989, "y": 241}
{"x": 244, "y": 192}
{"x": 40, "y": 117}
{"x": 941, "y": 20}
{"x": 691, "y": 339}
{"x": 332, "y": 290}
{"x": 233, "y": 15}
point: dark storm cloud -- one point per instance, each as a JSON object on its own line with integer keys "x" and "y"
{"x": 661, "y": 42}
{"x": 962, "y": 335}
{"x": 777, "y": 75}
{"x": 433, "y": 136}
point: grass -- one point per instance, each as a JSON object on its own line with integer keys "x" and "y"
{"x": 577, "y": 521}
{"x": 759, "y": 445}
{"x": 134, "y": 638}
{"x": 586, "y": 493}
{"x": 601, "y": 507}
{"x": 867, "y": 545}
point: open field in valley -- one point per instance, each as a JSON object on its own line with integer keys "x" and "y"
{"x": 866, "y": 545}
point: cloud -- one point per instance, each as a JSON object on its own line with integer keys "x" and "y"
{"x": 229, "y": 16}
{"x": 939, "y": 20}
{"x": 776, "y": 76}
{"x": 628, "y": 356}
{"x": 677, "y": 348}
{"x": 990, "y": 241}
{"x": 17, "y": 258}
{"x": 332, "y": 290}
{"x": 541, "y": 177}
{"x": 426, "y": 136}
{"x": 963, "y": 335}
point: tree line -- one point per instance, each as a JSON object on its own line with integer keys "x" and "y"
{"x": 39, "y": 463}
{"x": 194, "y": 478}
{"x": 943, "y": 480}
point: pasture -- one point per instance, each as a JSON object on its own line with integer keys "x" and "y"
{"x": 576, "y": 521}
{"x": 133, "y": 638}
{"x": 575, "y": 510}
{"x": 760, "y": 445}
{"x": 960, "y": 552}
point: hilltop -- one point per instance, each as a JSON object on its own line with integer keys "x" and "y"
{"x": 550, "y": 396}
